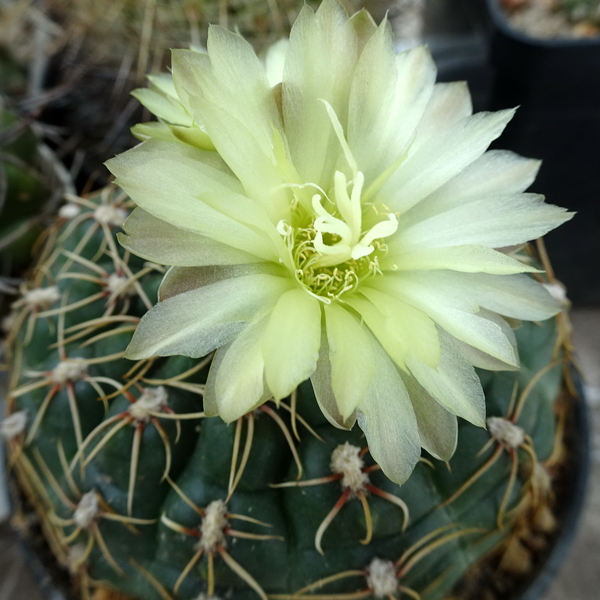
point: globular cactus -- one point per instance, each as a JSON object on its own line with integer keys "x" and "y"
{"x": 139, "y": 492}
{"x": 32, "y": 182}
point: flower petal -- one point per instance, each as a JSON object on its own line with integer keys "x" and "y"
{"x": 179, "y": 280}
{"x": 156, "y": 129}
{"x": 291, "y": 342}
{"x": 515, "y": 296}
{"x": 438, "y": 428}
{"x": 493, "y": 222}
{"x": 494, "y": 173}
{"x": 351, "y": 358}
{"x": 387, "y": 419}
{"x": 439, "y": 157}
{"x": 196, "y": 322}
{"x": 165, "y": 108}
{"x": 482, "y": 359}
{"x": 275, "y": 61}
{"x": 388, "y": 96}
{"x": 454, "y": 384}
{"x": 191, "y": 189}
{"x": 401, "y": 329}
{"x": 229, "y": 92}
{"x": 455, "y": 314}
{"x": 322, "y": 387}
{"x": 159, "y": 242}
{"x": 239, "y": 383}
{"x": 449, "y": 104}
{"x": 470, "y": 259}
{"x": 320, "y": 59}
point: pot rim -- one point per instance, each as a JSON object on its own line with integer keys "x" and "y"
{"x": 501, "y": 22}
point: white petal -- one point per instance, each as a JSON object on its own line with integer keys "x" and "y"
{"x": 291, "y": 342}
{"x": 209, "y": 399}
{"x": 239, "y": 383}
{"x": 480, "y": 359}
{"x": 196, "y": 322}
{"x": 438, "y": 428}
{"x": 401, "y": 329}
{"x": 515, "y": 296}
{"x": 387, "y": 418}
{"x": 321, "y": 56}
{"x": 493, "y": 222}
{"x": 190, "y": 188}
{"x": 321, "y": 384}
{"x": 179, "y": 280}
{"x": 351, "y": 358}
{"x": 164, "y": 108}
{"x": 193, "y": 136}
{"x": 454, "y": 384}
{"x": 439, "y": 157}
{"x": 470, "y": 259}
{"x": 494, "y": 173}
{"x": 275, "y": 61}
{"x": 388, "y": 96}
{"x": 448, "y": 104}
{"x": 455, "y": 314}
{"x": 229, "y": 93}
{"x": 159, "y": 242}
{"x": 155, "y": 129}
{"x": 163, "y": 82}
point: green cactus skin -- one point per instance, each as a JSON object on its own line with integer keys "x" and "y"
{"x": 30, "y": 188}
{"x": 147, "y": 497}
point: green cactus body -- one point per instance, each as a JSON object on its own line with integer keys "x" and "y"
{"x": 139, "y": 492}
{"x": 30, "y": 188}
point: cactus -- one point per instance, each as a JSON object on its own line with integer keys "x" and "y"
{"x": 32, "y": 182}
{"x": 139, "y": 492}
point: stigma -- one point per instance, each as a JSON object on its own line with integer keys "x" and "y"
{"x": 345, "y": 227}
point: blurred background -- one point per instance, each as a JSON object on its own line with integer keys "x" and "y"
{"x": 67, "y": 68}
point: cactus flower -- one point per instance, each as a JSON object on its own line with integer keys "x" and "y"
{"x": 341, "y": 225}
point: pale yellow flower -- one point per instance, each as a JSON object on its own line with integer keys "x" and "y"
{"x": 343, "y": 229}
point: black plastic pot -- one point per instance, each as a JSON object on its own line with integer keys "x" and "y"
{"x": 573, "y": 500}
{"x": 556, "y": 84}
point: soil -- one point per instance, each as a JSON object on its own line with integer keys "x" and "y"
{"x": 567, "y": 19}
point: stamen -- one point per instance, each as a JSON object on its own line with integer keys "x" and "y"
{"x": 333, "y": 254}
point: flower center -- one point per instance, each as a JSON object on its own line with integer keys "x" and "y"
{"x": 335, "y": 251}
